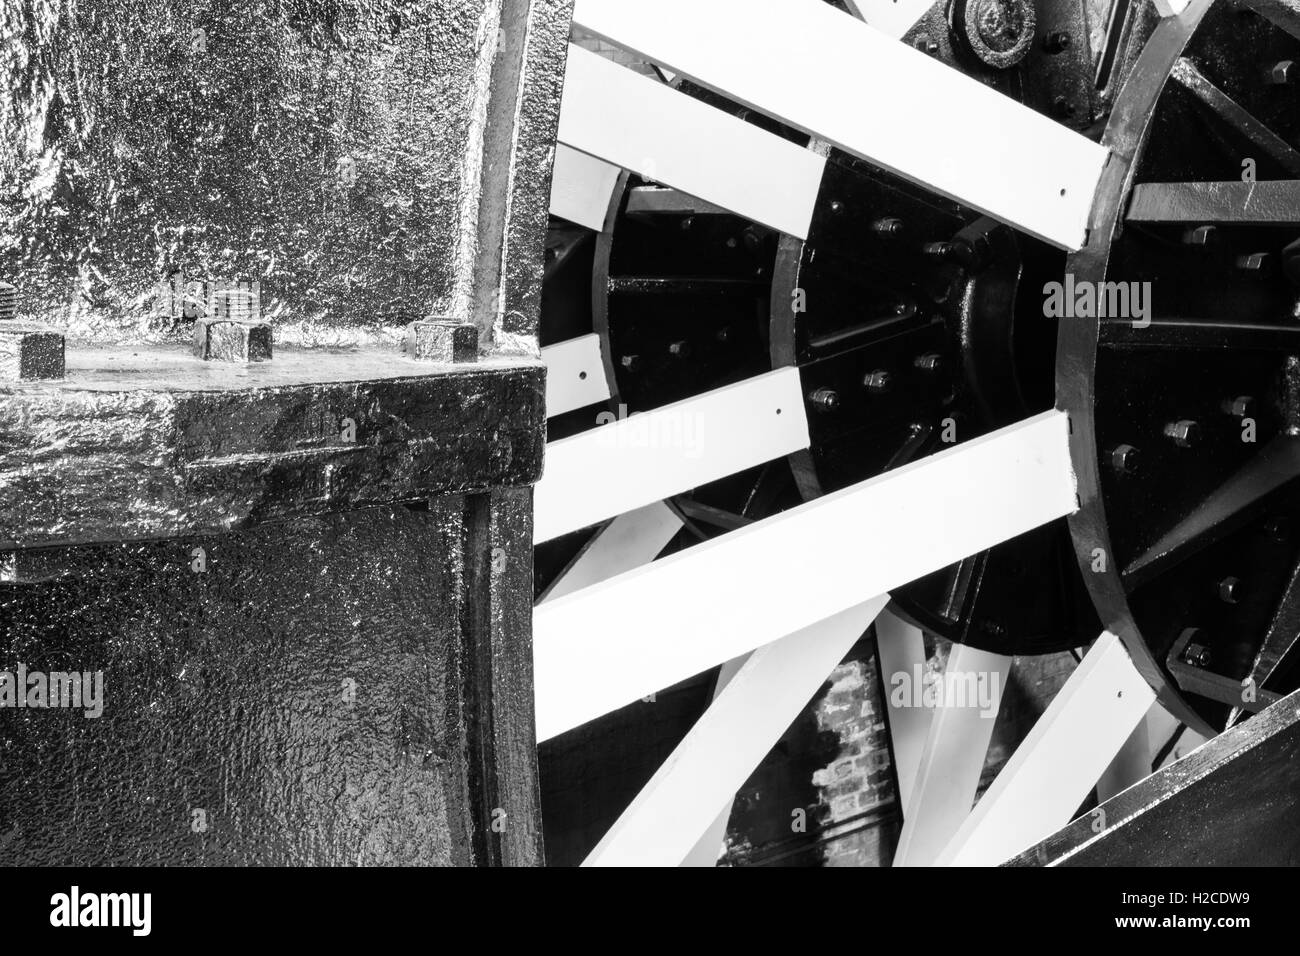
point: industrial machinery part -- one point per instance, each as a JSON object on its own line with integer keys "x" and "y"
{"x": 1186, "y": 410}
{"x": 902, "y": 310}
{"x": 916, "y": 298}
{"x": 1216, "y": 802}
{"x": 295, "y": 558}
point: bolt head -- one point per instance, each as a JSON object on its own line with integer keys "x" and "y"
{"x": 877, "y": 381}
{"x": 224, "y": 340}
{"x": 930, "y": 362}
{"x": 1243, "y": 406}
{"x": 825, "y": 399}
{"x": 630, "y": 362}
{"x": 888, "y": 226}
{"x": 926, "y": 44}
{"x": 1200, "y": 235}
{"x": 1063, "y": 107}
{"x": 1124, "y": 459}
{"x": 1230, "y": 590}
{"x": 1256, "y": 263}
{"x": 30, "y": 353}
{"x": 679, "y": 349}
{"x": 1282, "y": 72}
{"x": 1056, "y": 42}
{"x": 1184, "y": 433}
{"x": 442, "y": 340}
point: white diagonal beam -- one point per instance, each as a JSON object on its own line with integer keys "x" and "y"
{"x": 582, "y": 187}
{"x": 900, "y": 649}
{"x": 723, "y": 597}
{"x": 966, "y": 701}
{"x": 634, "y": 461}
{"x": 892, "y": 17}
{"x": 629, "y": 541}
{"x": 668, "y": 817}
{"x": 708, "y": 847}
{"x": 1131, "y": 764}
{"x": 575, "y": 375}
{"x": 822, "y": 71}
{"x": 1053, "y": 769}
{"x": 633, "y": 121}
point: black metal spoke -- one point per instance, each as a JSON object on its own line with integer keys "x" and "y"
{"x": 1280, "y": 13}
{"x": 1237, "y": 116}
{"x": 1200, "y": 334}
{"x": 707, "y": 514}
{"x": 659, "y": 200}
{"x": 1282, "y": 640}
{"x": 1223, "y": 511}
{"x": 1274, "y": 202}
{"x": 683, "y": 285}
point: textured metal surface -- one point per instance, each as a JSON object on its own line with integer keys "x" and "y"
{"x": 220, "y": 340}
{"x": 334, "y": 151}
{"x": 143, "y": 444}
{"x": 341, "y": 686}
{"x": 1229, "y": 803}
{"x": 532, "y": 154}
{"x": 303, "y": 691}
{"x": 29, "y": 352}
{"x": 1200, "y": 391}
{"x": 1273, "y": 203}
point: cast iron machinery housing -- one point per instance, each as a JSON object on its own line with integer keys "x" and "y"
{"x": 1185, "y": 431}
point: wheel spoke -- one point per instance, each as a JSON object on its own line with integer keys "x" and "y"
{"x": 1223, "y": 511}
{"x": 682, "y": 285}
{"x": 1280, "y": 13}
{"x": 1237, "y": 116}
{"x": 1200, "y": 334}
{"x": 1273, "y": 202}
{"x": 814, "y": 68}
{"x": 659, "y": 200}
{"x": 1280, "y": 643}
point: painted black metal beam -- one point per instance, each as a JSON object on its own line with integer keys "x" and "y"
{"x": 1267, "y": 203}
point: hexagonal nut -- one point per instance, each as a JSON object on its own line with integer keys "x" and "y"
{"x": 30, "y": 352}
{"x": 1185, "y": 433}
{"x": 441, "y": 340}
{"x": 224, "y": 340}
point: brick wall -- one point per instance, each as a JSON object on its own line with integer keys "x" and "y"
{"x": 834, "y": 765}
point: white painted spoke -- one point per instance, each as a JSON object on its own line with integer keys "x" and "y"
{"x": 900, "y": 649}
{"x": 709, "y": 846}
{"x": 1064, "y": 755}
{"x": 582, "y": 187}
{"x": 575, "y": 375}
{"x": 635, "y": 461}
{"x": 648, "y": 127}
{"x": 719, "y": 599}
{"x": 967, "y": 700}
{"x": 668, "y": 817}
{"x": 627, "y": 542}
{"x": 891, "y": 17}
{"x": 822, "y": 71}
